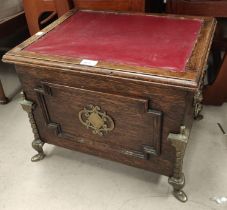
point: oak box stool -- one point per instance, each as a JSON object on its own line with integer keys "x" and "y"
{"x": 125, "y": 87}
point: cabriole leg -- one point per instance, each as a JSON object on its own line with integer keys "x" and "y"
{"x": 179, "y": 142}
{"x": 37, "y": 144}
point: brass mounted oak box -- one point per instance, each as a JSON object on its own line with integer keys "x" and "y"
{"x": 125, "y": 87}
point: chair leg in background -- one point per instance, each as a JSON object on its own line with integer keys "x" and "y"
{"x": 3, "y": 98}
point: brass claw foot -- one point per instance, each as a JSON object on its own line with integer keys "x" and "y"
{"x": 178, "y": 185}
{"x": 37, "y": 144}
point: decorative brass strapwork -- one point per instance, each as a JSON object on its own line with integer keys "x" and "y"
{"x": 179, "y": 142}
{"x": 92, "y": 117}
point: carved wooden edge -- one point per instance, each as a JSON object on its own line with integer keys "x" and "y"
{"x": 187, "y": 80}
{"x": 199, "y": 56}
{"x": 155, "y": 76}
{"x": 198, "y": 97}
{"x": 179, "y": 142}
{"x": 37, "y": 143}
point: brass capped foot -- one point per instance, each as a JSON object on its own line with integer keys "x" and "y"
{"x": 37, "y": 157}
{"x": 180, "y": 195}
{"x": 37, "y": 144}
{"x": 178, "y": 185}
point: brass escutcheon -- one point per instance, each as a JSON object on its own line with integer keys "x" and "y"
{"x": 92, "y": 117}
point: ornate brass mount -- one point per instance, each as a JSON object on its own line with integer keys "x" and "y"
{"x": 92, "y": 117}
{"x": 37, "y": 143}
{"x": 179, "y": 142}
{"x": 198, "y": 98}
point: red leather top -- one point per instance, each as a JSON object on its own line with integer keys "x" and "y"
{"x": 148, "y": 41}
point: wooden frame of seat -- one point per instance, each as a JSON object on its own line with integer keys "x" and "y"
{"x": 215, "y": 8}
{"x": 34, "y": 9}
{"x": 116, "y": 5}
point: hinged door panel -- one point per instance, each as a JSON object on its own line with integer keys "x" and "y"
{"x": 126, "y": 124}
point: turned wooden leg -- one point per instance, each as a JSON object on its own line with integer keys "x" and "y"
{"x": 37, "y": 144}
{"x": 179, "y": 142}
{"x": 3, "y": 98}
